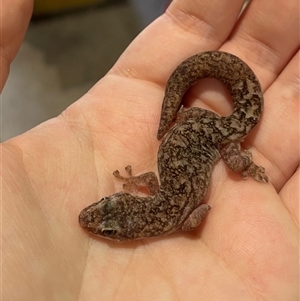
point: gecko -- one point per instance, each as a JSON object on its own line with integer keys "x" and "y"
{"x": 193, "y": 140}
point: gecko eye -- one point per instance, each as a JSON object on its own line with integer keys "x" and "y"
{"x": 109, "y": 232}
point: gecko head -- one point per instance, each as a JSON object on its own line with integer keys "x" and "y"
{"x": 108, "y": 218}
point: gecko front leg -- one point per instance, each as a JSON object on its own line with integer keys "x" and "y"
{"x": 134, "y": 183}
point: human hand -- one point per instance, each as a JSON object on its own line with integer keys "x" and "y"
{"x": 247, "y": 247}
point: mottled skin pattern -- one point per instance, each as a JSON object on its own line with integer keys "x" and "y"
{"x": 186, "y": 155}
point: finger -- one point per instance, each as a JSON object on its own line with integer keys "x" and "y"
{"x": 15, "y": 17}
{"x": 262, "y": 41}
{"x": 290, "y": 196}
{"x": 278, "y": 138}
{"x": 186, "y": 28}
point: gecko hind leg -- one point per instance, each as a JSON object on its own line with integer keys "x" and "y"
{"x": 195, "y": 218}
{"x": 230, "y": 152}
{"x": 134, "y": 183}
{"x": 236, "y": 161}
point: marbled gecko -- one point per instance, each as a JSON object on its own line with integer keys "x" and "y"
{"x": 186, "y": 155}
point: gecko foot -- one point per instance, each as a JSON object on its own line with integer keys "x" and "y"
{"x": 242, "y": 163}
{"x": 195, "y": 218}
{"x": 256, "y": 172}
{"x": 129, "y": 184}
{"x": 134, "y": 183}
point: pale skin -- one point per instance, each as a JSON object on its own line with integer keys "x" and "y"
{"x": 246, "y": 249}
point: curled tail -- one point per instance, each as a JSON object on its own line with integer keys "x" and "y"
{"x": 235, "y": 74}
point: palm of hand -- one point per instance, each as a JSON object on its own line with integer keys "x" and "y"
{"x": 240, "y": 250}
